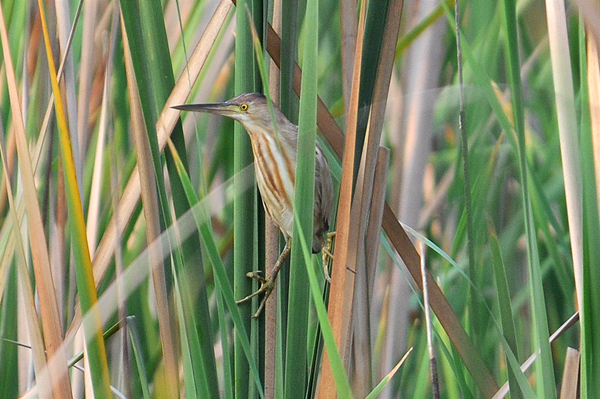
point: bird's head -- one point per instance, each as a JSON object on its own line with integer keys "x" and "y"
{"x": 250, "y": 109}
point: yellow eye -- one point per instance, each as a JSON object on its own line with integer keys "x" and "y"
{"x": 244, "y": 107}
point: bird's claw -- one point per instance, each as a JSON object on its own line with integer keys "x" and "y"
{"x": 327, "y": 255}
{"x": 266, "y": 287}
{"x": 256, "y": 275}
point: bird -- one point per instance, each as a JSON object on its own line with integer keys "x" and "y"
{"x": 274, "y": 146}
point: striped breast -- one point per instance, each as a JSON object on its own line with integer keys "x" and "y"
{"x": 275, "y": 177}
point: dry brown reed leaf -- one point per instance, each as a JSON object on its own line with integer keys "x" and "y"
{"x": 570, "y": 379}
{"x": 363, "y": 203}
{"x": 15, "y": 245}
{"x": 567, "y": 129}
{"x": 50, "y": 316}
{"x": 341, "y": 294}
{"x": 348, "y": 26}
{"x": 152, "y": 212}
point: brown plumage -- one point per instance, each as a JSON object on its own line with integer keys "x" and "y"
{"x": 275, "y": 168}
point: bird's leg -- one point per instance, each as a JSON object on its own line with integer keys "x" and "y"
{"x": 327, "y": 255}
{"x": 267, "y": 285}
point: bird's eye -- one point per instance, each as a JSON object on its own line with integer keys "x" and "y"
{"x": 244, "y": 107}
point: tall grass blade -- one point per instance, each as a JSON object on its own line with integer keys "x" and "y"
{"x": 342, "y": 287}
{"x": 378, "y": 63}
{"x": 567, "y": 127}
{"x": 275, "y": 308}
{"x": 137, "y": 350}
{"x": 407, "y": 39}
{"x": 398, "y": 236}
{"x": 223, "y": 284}
{"x": 544, "y": 367}
{"x": 168, "y": 119}
{"x": 143, "y": 48}
{"x": 439, "y": 303}
{"x": 506, "y": 312}
{"x": 9, "y": 306}
{"x": 464, "y": 151}
{"x": 274, "y": 324}
{"x": 86, "y": 288}
{"x": 590, "y": 144}
{"x": 373, "y": 37}
{"x": 245, "y": 204}
{"x": 296, "y": 359}
{"x": 377, "y": 390}
{"x": 63, "y": 22}
{"x": 103, "y": 127}
{"x": 289, "y": 51}
{"x": 435, "y": 386}
{"x": 341, "y": 386}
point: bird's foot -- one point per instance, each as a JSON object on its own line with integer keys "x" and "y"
{"x": 266, "y": 287}
{"x": 327, "y": 255}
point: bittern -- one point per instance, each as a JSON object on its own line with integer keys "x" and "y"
{"x": 275, "y": 154}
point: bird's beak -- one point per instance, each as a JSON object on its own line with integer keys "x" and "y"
{"x": 225, "y": 109}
